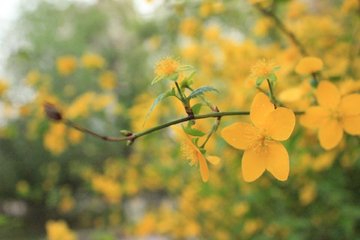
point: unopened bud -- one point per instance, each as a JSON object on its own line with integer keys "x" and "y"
{"x": 126, "y": 133}
{"x": 52, "y": 112}
{"x": 129, "y": 142}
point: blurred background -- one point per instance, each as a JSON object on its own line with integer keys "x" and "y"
{"x": 94, "y": 59}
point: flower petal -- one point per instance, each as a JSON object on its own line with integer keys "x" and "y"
{"x": 213, "y": 159}
{"x": 350, "y": 105}
{"x": 277, "y": 160}
{"x": 351, "y": 125}
{"x": 315, "y": 117}
{"x": 253, "y": 165}
{"x": 328, "y": 95}
{"x": 260, "y": 109}
{"x": 309, "y": 65}
{"x": 280, "y": 124}
{"x": 330, "y": 134}
{"x": 235, "y": 134}
{"x": 204, "y": 170}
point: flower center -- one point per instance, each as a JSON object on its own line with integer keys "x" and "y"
{"x": 166, "y": 66}
{"x": 257, "y": 140}
{"x": 336, "y": 114}
{"x": 190, "y": 152}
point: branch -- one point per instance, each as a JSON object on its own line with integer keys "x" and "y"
{"x": 283, "y": 28}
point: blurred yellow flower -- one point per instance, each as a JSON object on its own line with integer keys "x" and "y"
{"x": 309, "y": 65}
{"x": 111, "y": 189}
{"x": 75, "y": 136}
{"x": 349, "y": 5}
{"x": 33, "y": 77}
{"x": 59, "y": 230}
{"x": 295, "y": 9}
{"x": 260, "y": 140}
{"x": 192, "y": 152}
{"x": 4, "y": 85}
{"x": 147, "y": 225}
{"x": 80, "y": 106}
{"x": 263, "y": 26}
{"x": 54, "y": 138}
{"x": 107, "y": 80}
{"x": 90, "y": 60}
{"x": 307, "y": 194}
{"x": 66, "y": 65}
{"x": 262, "y": 68}
{"x": 189, "y": 27}
{"x": 334, "y": 115}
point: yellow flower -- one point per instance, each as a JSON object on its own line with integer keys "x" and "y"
{"x": 309, "y": 65}
{"x": 189, "y": 26}
{"x": 58, "y": 230}
{"x": 260, "y": 140}
{"x": 262, "y": 68}
{"x": 168, "y": 68}
{"x": 3, "y": 85}
{"x": 193, "y": 153}
{"x": 66, "y": 65}
{"x": 333, "y": 115}
{"x": 90, "y": 60}
{"x": 107, "y": 80}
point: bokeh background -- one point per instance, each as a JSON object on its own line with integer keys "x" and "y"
{"x": 94, "y": 59}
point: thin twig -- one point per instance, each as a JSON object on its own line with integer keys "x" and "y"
{"x": 283, "y": 28}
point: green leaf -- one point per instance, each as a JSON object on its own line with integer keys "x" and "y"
{"x": 193, "y": 131}
{"x": 158, "y": 99}
{"x": 185, "y": 68}
{"x": 173, "y": 77}
{"x": 200, "y": 91}
{"x": 276, "y": 69}
{"x": 156, "y": 80}
{"x": 259, "y": 81}
{"x": 196, "y": 108}
{"x": 272, "y": 77}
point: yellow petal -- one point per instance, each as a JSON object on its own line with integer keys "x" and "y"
{"x": 330, "y": 134}
{"x": 351, "y": 125}
{"x": 204, "y": 170}
{"x": 309, "y": 65}
{"x": 350, "y": 105}
{"x": 253, "y": 165}
{"x": 280, "y": 124}
{"x": 260, "y": 109}
{"x": 328, "y": 95}
{"x": 277, "y": 160}
{"x": 213, "y": 159}
{"x": 235, "y": 134}
{"x": 315, "y": 117}
{"x": 181, "y": 133}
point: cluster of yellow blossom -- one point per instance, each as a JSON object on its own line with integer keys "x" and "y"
{"x": 59, "y": 230}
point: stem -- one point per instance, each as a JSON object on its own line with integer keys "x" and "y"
{"x": 284, "y": 29}
{"x": 272, "y": 96}
{"x": 182, "y": 98}
{"x": 106, "y": 138}
{"x": 133, "y": 136}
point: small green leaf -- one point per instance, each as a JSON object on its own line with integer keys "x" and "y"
{"x": 200, "y": 91}
{"x": 259, "y": 81}
{"x": 173, "y": 77}
{"x": 196, "y": 108}
{"x": 276, "y": 69}
{"x": 158, "y": 99}
{"x": 185, "y": 68}
{"x": 156, "y": 80}
{"x": 193, "y": 131}
{"x": 195, "y": 141}
{"x": 272, "y": 77}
